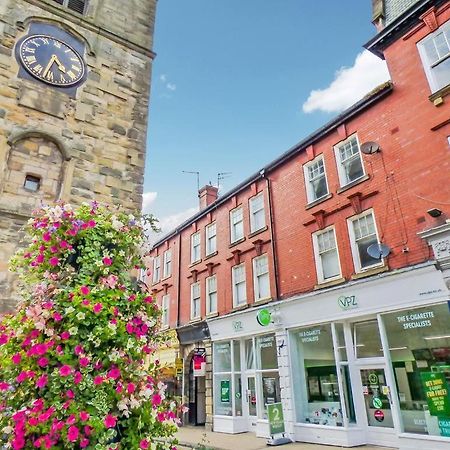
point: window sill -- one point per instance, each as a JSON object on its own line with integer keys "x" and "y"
{"x": 211, "y": 255}
{"x": 212, "y": 315}
{"x": 437, "y": 98}
{"x": 195, "y": 263}
{"x": 233, "y": 244}
{"x": 318, "y": 201}
{"x": 353, "y": 183}
{"x": 262, "y": 301}
{"x": 240, "y": 307}
{"x": 254, "y": 233}
{"x": 326, "y": 284}
{"x": 166, "y": 278}
{"x": 370, "y": 272}
{"x": 196, "y": 320}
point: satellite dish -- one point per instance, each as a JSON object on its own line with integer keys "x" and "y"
{"x": 378, "y": 250}
{"x": 368, "y": 148}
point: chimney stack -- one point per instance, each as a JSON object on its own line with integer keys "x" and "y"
{"x": 207, "y": 195}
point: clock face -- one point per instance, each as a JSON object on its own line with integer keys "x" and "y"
{"x": 51, "y": 60}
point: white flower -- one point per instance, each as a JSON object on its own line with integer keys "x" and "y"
{"x": 81, "y": 315}
{"x": 73, "y": 331}
{"x": 122, "y": 405}
{"x": 7, "y": 430}
{"x": 67, "y": 208}
{"x": 134, "y": 403}
{"x": 69, "y": 310}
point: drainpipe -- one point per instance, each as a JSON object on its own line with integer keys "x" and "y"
{"x": 272, "y": 234}
{"x": 179, "y": 280}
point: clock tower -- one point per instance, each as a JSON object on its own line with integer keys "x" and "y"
{"x": 74, "y": 92}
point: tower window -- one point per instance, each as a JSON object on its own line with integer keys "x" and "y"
{"x": 78, "y": 6}
{"x": 32, "y": 183}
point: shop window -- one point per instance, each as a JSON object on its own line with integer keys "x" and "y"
{"x": 419, "y": 346}
{"x": 316, "y": 386}
{"x": 257, "y": 213}
{"x": 435, "y": 54}
{"x": 349, "y": 161}
{"x": 315, "y": 179}
{"x": 249, "y": 354}
{"x": 366, "y": 339}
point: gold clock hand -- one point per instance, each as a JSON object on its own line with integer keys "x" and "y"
{"x": 49, "y": 65}
{"x": 60, "y": 65}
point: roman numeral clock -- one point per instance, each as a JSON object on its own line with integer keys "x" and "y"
{"x": 52, "y": 56}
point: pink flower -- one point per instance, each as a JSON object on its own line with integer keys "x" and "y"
{"x": 71, "y": 419}
{"x": 85, "y": 290}
{"x": 110, "y": 421}
{"x": 57, "y": 317}
{"x": 143, "y": 444}
{"x": 42, "y": 362}
{"x": 114, "y": 373}
{"x": 156, "y": 401}
{"x": 47, "y": 305}
{"x": 86, "y": 302}
{"x": 107, "y": 261}
{"x": 65, "y": 335}
{"x": 65, "y": 370}
{"x": 16, "y": 358}
{"x": 70, "y": 394}
{"x": 77, "y": 378}
{"x": 131, "y": 388}
{"x": 54, "y": 261}
{"x": 98, "y": 380}
{"x": 72, "y": 433}
{"x": 129, "y": 327}
{"x": 148, "y": 299}
{"x": 47, "y": 237}
{"x": 63, "y": 244}
{"x": 83, "y": 361}
{"x": 21, "y": 377}
{"x": 42, "y": 381}
{"x": 97, "y": 308}
{"x": 40, "y": 258}
{"x": 91, "y": 223}
{"x": 4, "y": 386}
{"x": 78, "y": 350}
{"x": 84, "y": 416}
{"x": 84, "y": 442}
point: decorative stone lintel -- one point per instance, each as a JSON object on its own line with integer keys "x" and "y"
{"x": 439, "y": 239}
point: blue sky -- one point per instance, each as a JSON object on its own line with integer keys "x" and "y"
{"x": 237, "y": 82}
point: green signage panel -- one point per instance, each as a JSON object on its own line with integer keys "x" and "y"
{"x": 436, "y": 393}
{"x": 377, "y": 403}
{"x": 264, "y": 317}
{"x": 276, "y": 419}
{"x": 225, "y": 391}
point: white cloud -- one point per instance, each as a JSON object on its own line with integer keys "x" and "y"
{"x": 350, "y": 84}
{"x": 147, "y": 200}
{"x": 171, "y": 86}
{"x": 163, "y": 78}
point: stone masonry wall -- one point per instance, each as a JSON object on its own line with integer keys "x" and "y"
{"x": 100, "y": 132}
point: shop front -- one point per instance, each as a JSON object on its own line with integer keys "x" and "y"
{"x": 367, "y": 363}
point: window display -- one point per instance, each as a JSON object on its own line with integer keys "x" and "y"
{"x": 419, "y": 344}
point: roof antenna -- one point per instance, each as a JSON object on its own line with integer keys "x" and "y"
{"x": 198, "y": 179}
{"x": 221, "y": 176}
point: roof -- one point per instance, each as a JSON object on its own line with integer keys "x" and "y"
{"x": 371, "y": 98}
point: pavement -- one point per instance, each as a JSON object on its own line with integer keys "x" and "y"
{"x": 197, "y": 438}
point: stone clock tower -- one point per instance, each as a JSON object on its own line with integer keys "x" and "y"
{"x": 74, "y": 92}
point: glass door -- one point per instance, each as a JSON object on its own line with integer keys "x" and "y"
{"x": 377, "y": 397}
{"x": 252, "y": 406}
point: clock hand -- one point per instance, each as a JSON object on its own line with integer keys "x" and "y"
{"x": 60, "y": 65}
{"x": 49, "y": 65}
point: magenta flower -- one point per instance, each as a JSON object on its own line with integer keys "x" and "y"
{"x": 91, "y": 223}
{"x": 65, "y": 335}
{"x": 73, "y": 433}
{"x": 54, "y": 261}
{"x": 16, "y": 358}
{"x": 63, "y": 244}
{"x": 21, "y": 377}
{"x": 47, "y": 237}
{"x": 42, "y": 381}
{"x": 40, "y": 258}
{"x": 156, "y": 400}
{"x": 84, "y": 442}
{"x": 4, "y": 386}
{"x": 57, "y": 317}
{"x": 78, "y": 350}
{"x": 97, "y": 308}
{"x": 77, "y": 378}
{"x": 98, "y": 380}
{"x": 83, "y": 361}
{"x": 70, "y": 394}
{"x": 42, "y": 362}
{"x": 84, "y": 416}
{"x": 110, "y": 421}
{"x": 131, "y": 388}
{"x": 114, "y": 373}
{"x": 107, "y": 261}
{"x": 143, "y": 445}
{"x": 84, "y": 290}
{"x": 65, "y": 370}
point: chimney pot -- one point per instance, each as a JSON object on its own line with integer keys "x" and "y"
{"x": 207, "y": 195}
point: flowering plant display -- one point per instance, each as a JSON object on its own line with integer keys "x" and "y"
{"x": 73, "y": 367}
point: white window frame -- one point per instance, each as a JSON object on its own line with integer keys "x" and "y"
{"x": 319, "y": 266}
{"x": 165, "y": 307}
{"x": 340, "y": 164}
{"x": 257, "y": 294}
{"x": 236, "y": 301}
{"x": 193, "y": 285}
{"x": 209, "y": 292}
{"x": 196, "y": 256}
{"x": 354, "y": 246}
{"x": 252, "y": 202}
{"x": 233, "y": 226}
{"x": 429, "y": 65}
{"x": 156, "y": 269}
{"x": 211, "y": 238}
{"x": 310, "y": 194}
{"x": 167, "y": 263}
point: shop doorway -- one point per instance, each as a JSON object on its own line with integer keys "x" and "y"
{"x": 251, "y": 401}
{"x": 197, "y": 397}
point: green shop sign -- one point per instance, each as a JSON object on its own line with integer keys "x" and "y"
{"x": 276, "y": 419}
{"x": 225, "y": 391}
{"x": 264, "y": 317}
{"x": 436, "y": 393}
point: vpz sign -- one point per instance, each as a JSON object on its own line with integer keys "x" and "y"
{"x": 347, "y": 302}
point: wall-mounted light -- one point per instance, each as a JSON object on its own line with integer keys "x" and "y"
{"x": 434, "y": 212}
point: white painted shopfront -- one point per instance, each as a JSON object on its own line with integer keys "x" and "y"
{"x": 364, "y": 363}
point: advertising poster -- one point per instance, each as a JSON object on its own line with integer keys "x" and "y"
{"x": 276, "y": 419}
{"x": 225, "y": 391}
{"x": 436, "y": 392}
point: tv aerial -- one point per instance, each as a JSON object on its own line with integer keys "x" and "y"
{"x": 378, "y": 250}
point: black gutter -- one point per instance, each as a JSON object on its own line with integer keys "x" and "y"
{"x": 179, "y": 282}
{"x": 370, "y": 99}
{"x": 401, "y": 25}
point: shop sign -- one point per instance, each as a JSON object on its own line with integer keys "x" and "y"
{"x": 444, "y": 426}
{"x": 347, "y": 302}
{"x": 377, "y": 403}
{"x": 199, "y": 362}
{"x": 276, "y": 418}
{"x": 373, "y": 378}
{"x": 237, "y": 325}
{"x": 310, "y": 335}
{"x": 416, "y": 320}
{"x": 436, "y": 392}
{"x": 179, "y": 366}
{"x": 264, "y": 317}
{"x": 225, "y": 391}
{"x": 379, "y": 415}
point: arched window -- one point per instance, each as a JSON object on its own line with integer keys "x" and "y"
{"x": 78, "y": 6}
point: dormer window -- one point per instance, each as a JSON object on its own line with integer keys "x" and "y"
{"x": 434, "y": 51}
{"x": 78, "y": 6}
{"x": 32, "y": 183}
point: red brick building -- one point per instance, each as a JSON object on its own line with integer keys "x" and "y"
{"x": 312, "y": 283}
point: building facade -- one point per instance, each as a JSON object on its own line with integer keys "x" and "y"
{"x": 74, "y": 92}
{"x": 322, "y": 281}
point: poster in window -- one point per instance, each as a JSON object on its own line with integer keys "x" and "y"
{"x": 314, "y": 387}
{"x": 269, "y": 388}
